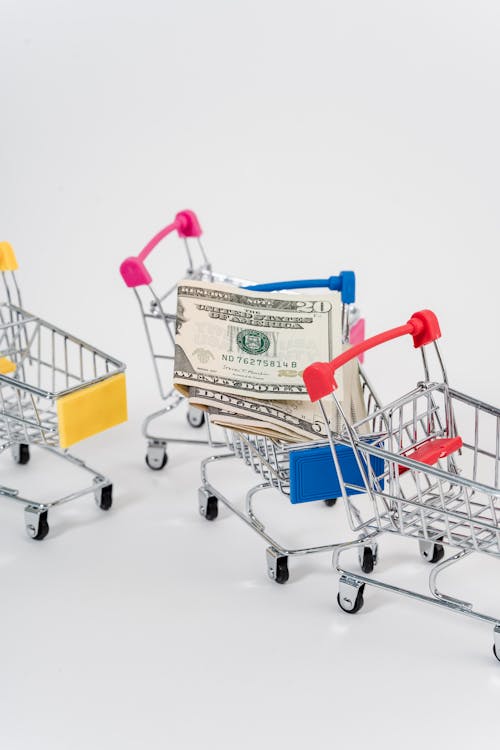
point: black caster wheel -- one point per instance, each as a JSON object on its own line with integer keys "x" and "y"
{"x": 358, "y": 603}
{"x": 155, "y": 464}
{"x": 212, "y": 508}
{"x": 282, "y": 574}
{"x": 432, "y": 552}
{"x": 331, "y": 502}
{"x": 495, "y": 652}
{"x": 22, "y": 454}
{"x": 437, "y": 554}
{"x": 43, "y": 527}
{"x": 368, "y": 560}
{"x": 195, "y": 417}
{"x": 105, "y": 499}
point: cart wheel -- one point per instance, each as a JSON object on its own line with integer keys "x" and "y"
{"x": 21, "y": 453}
{"x": 433, "y": 552}
{"x": 278, "y": 571}
{"x": 208, "y": 504}
{"x": 37, "y": 525}
{"x": 195, "y": 417}
{"x": 155, "y": 459}
{"x": 282, "y": 574}
{"x": 277, "y": 565}
{"x": 104, "y": 497}
{"x": 358, "y": 602}
{"x": 331, "y": 502}
{"x": 438, "y": 553}
{"x": 211, "y": 509}
{"x": 367, "y": 560}
{"x": 495, "y": 652}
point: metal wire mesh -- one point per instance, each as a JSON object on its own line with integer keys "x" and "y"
{"x": 49, "y": 363}
{"x": 456, "y": 501}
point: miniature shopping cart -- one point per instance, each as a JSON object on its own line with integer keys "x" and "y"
{"x": 158, "y": 312}
{"x": 302, "y": 473}
{"x": 55, "y": 390}
{"x": 428, "y": 469}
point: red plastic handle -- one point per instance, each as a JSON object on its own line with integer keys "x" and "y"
{"x": 319, "y": 378}
{"x": 133, "y": 270}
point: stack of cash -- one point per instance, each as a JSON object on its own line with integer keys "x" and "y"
{"x": 240, "y": 356}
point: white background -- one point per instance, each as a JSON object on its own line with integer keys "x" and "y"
{"x": 309, "y": 137}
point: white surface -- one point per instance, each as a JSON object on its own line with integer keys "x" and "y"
{"x": 309, "y": 139}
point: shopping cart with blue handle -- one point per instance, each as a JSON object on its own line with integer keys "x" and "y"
{"x": 301, "y": 472}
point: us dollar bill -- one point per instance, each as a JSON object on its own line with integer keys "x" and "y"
{"x": 291, "y": 421}
{"x": 252, "y": 344}
{"x": 236, "y": 423}
{"x": 297, "y": 420}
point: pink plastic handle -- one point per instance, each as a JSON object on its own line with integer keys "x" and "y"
{"x": 133, "y": 270}
{"x": 319, "y": 378}
{"x": 357, "y": 335}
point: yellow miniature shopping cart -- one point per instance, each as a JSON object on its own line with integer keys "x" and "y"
{"x": 55, "y": 390}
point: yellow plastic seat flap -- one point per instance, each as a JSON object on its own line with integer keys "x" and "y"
{"x": 6, "y": 366}
{"x": 93, "y": 409}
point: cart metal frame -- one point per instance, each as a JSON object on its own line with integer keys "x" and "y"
{"x": 40, "y": 365}
{"x": 270, "y": 459}
{"x": 159, "y": 325}
{"x": 437, "y": 486}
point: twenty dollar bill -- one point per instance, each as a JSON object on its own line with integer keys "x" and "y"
{"x": 252, "y": 344}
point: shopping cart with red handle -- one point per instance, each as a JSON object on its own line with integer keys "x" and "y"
{"x": 417, "y": 476}
{"x": 158, "y": 312}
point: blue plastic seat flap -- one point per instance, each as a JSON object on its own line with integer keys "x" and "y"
{"x": 313, "y": 475}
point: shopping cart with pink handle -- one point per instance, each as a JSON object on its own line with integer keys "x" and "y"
{"x": 427, "y": 468}
{"x": 157, "y": 306}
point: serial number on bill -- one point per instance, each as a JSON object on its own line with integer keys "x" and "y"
{"x": 280, "y": 363}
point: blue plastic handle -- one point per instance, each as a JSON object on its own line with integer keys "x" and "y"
{"x": 345, "y": 283}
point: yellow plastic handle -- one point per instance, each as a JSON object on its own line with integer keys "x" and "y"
{"x": 8, "y": 260}
{"x": 6, "y": 366}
